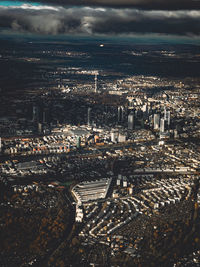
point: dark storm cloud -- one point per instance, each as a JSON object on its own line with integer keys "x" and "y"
{"x": 85, "y": 20}
{"x": 144, "y": 4}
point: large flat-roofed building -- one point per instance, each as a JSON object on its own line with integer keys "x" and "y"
{"x": 87, "y": 191}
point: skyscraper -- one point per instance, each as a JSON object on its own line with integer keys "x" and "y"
{"x": 78, "y": 142}
{"x": 39, "y": 127}
{"x": 123, "y": 113}
{"x": 165, "y": 114}
{"x": 89, "y": 117}
{"x": 120, "y": 114}
{"x": 35, "y": 113}
{"x": 168, "y": 118}
{"x": 95, "y": 82}
{"x": 162, "y": 125}
{"x": 131, "y": 121}
{"x": 156, "y": 121}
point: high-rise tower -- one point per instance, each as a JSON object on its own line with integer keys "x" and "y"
{"x": 95, "y": 82}
{"x": 165, "y": 113}
{"x": 131, "y": 121}
{"x": 89, "y": 117}
{"x": 35, "y": 113}
{"x": 120, "y": 114}
{"x": 156, "y": 121}
{"x": 78, "y": 142}
{"x": 162, "y": 125}
{"x": 168, "y": 118}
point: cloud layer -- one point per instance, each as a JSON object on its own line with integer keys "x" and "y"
{"x": 94, "y": 21}
{"x": 144, "y": 4}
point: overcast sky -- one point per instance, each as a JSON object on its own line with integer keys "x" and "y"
{"x": 177, "y": 18}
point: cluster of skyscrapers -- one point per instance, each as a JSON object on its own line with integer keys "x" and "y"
{"x": 135, "y": 118}
{"x": 161, "y": 123}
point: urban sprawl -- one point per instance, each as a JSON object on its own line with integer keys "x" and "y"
{"x": 124, "y": 154}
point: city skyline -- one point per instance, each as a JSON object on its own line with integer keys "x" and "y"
{"x": 100, "y": 133}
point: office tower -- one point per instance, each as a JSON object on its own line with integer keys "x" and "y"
{"x": 131, "y": 121}
{"x": 78, "y": 142}
{"x": 165, "y": 114}
{"x": 39, "y": 128}
{"x": 168, "y": 118}
{"x": 156, "y": 121}
{"x": 162, "y": 125}
{"x": 35, "y": 113}
{"x": 95, "y": 82}
{"x": 89, "y": 117}
{"x": 120, "y": 114}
